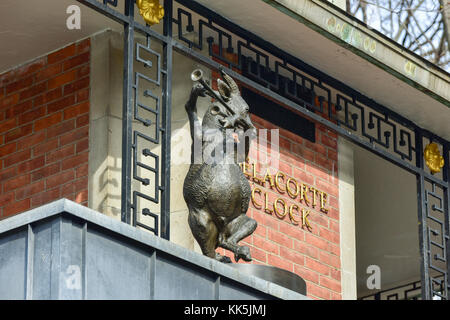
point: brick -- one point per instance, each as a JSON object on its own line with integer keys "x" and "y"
{"x": 45, "y": 197}
{"x": 18, "y": 132}
{"x": 62, "y": 79}
{"x": 48, "y": 121}
{"x": 61, "y": 128}
{"x": 306, "y": 249}
{"x": 330, "y": 259}
{"x": 7, "y": 174}
{"x": 31, "y": 165}
{"x": 83, "y": 71}
{"x": 16, "y": 207}
{"x": 330, "y": 284}
{"x": 336, "y": 274}
{"x": 307, "y": 274}
{"x": 280, "y": 238}
{"x": 46, "y": 147}
{"x": 324, "y": 162}
{"x": 317, "y": 291}
{"x": 75, "y": 161}
{"x": 82, "y": 183}
{"x": 47, "y": 97}
{"x": 45, "y": 172}
{"x": 82, "y": 171}
{"x": 83, "y": 46}
{"x": 6, "y": 198}
{"x": 49, "y": 72}
{"x": 82, "y": 146}
{"x": 332, "y": 155}
{"x": 7, "y": 149}
{"x": 327, "y": 187}
{"x": 317, "y": 266}
{"x": 16, "y": 183}
{"x": 8, "y": 125}
{"x": 329, "y": 235}
{"x": 292, "y": 256}
{"x": 67, "y": 189}
{"x": 82, "y": 95}
{"x": 30, "y": 190}
{"x": 60, "y": 104}
{"x": 19, "y": 85}
{"x": 303, "y": 177}
{"x": 59, "y": 179}
{"x": 335, "y": 296}
{"x": 76, "y": 110}
{"x": 83, "y": 120}
{"x": 18, "y": 109}
{"x": 266, "y": 219}
{"x": 31, "y": 67}
{"x": 33, "y": 91}
{"x": 303, "y": 152}
{"x": 316, "y": 171}
{"x": 279, "y": 262}
{"x": 31, "y": 115}
{"x": 328, "y": 141}
{"x": 31, "y": 141}
{"x": 316, "y": 241}
{"x": 76, "y": 85}
{"x": 76, "y": 61}
{"x": 62, "y": 54}
{"x": 9, "y": 101}
{"x": 73, "y": 136}
{"x": 17, "y": 158}
{"x": 292, "y": 230}
{"x": 265, "y": 245}
{"x": 258, "y": 254}
{"x": 60, "y": 154}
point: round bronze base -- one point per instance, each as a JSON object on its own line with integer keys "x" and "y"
{"x": 276, "y": 275}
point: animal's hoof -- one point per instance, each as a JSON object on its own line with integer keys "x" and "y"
{"x": 223, "y": 259}
{"x": 244, "y": 253}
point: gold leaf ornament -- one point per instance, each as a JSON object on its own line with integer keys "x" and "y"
{"x": 150, "y": 10}
{"x": 433, "y": 158}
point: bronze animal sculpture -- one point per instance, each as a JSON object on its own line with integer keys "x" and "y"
{"x": 215, "y": 189}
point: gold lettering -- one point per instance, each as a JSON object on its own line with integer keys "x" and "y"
{"x": 314, "y": 192}
{"x": 279, "y": 174}
{"x": 323, "y": 201}
{"x": 255, "y": 178}
{"x": 256, "y": 204}
{"x": 266, "y": 204}
{"x": 244, "y": 167}
{"x": 293, "y": 195}
{"x": 291, "y": 213}
{"x": 269, "y": 176}
{"x": 304, "y": 194}
{"x": 275, "y": 207}
{"x": 305, "y": 221}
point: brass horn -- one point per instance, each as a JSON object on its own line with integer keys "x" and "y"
{"x": 197, "y": 76}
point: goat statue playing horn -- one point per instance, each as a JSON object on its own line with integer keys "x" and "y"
{"x": 215, "y": 189}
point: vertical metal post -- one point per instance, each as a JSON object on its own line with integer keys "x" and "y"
{"x": 166, "y": 118}
{"x": 421, "y": 209}
{"x": 127, "y": 111}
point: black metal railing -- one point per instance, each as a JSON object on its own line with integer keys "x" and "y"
{"x": 330, "y": 102}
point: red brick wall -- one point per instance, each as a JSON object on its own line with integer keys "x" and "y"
{"x": 313, "y": 253}
{"x": 44, "y": 130}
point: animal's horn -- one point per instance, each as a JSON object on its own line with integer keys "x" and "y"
{"x": 233, "y": 86}
{"x": 196, "y": 75}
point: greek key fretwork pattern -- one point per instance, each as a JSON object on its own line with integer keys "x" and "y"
{"x": 437, "y": 239}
